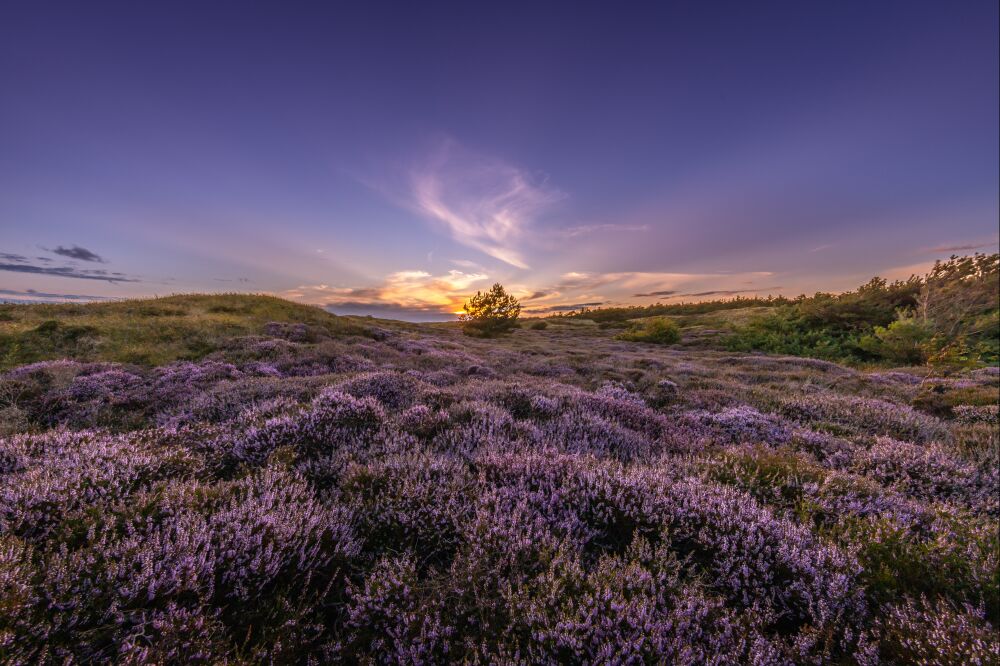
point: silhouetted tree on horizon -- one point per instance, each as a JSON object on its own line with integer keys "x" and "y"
{"x": 494, "y": 312}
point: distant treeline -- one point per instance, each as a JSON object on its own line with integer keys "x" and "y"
{"x": 949, "y": 316}
{"x": 619, "y": 314}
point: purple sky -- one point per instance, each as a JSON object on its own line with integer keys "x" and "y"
{"x": 392, "y": 158}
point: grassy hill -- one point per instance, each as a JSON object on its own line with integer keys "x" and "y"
{"x": 153, "y": 331}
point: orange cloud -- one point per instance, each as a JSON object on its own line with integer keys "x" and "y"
{"x": 409, "y": 289}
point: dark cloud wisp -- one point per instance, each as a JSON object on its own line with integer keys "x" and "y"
{"x": 724, "y": 292}
{"x": 666, "y": 292}
{"x": 32, "y": 294}
{"x": 65, "y": 271}
{"x": 77, "y": 252}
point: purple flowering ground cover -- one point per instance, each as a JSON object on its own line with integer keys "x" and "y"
{"x": 410, "y": 495}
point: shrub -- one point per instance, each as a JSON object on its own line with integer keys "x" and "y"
{"x": 937, "y": 633}
{"x": 492, "y": 313}
{"x": 539, "y": 325}
{"x": 904, "y": 341}
{"x": 658, "y": 330}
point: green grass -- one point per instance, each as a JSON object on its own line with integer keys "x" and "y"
{"x": 657, "y": 330}
{"x": 149, "y": 332}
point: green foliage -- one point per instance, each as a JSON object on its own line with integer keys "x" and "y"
{"x": 907, "y": 340}
{"x": 540, "y": 325}
{"x": 949, "y": 317}
{"x": 623, "y": 314}
{"x": 897, "y": 561}
{"x": 148, "y": 332}
{"x": 658, "y": 330}
{"x": 494, "y": 312}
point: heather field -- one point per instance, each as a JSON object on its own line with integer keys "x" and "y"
{"x": 242, "y": 480}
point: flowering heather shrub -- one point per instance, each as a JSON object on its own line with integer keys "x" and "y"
{"x": 392, "y": 389}
{"x": 662, "y": 393}
{"x": 746, "y": 424}
{"x": 946, "y": 556}
{"x": 474, "y": 424}
{"x": 18, "y": 594}
{"x": 987, "y": 375}
{"x": 417, "y": 496}
{"x": 409, "y": 502}
{"x": 623, "y": 407}
{"x": 291, "y": 332}
{"x": 332, "y": 419}
{"x": 423, "y": 422}
{"x": 925, "y": 632}
{"x": 580, "y": 431}
{"x": 867, "y": 416}
{"x": 104, "y": 398}
{"x": 389, "y": 620}
{"x": 629, "y": 609}
{"x": 977, "y": 413}
{"x": 175, "y": 634}
{"x": 181, "y": 377}
{"x": 229, "y": 400}
{"x": 74, "y": 471}
{"x": 893, "y": 377}
{"x": 928, "y": 473}
{"x": 46, "y": 367}
{"x": 236, "y": 546}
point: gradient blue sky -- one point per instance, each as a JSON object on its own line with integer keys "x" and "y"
{"x": 391, "y": 158}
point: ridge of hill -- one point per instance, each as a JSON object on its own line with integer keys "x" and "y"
{"x": 153, "y": 331}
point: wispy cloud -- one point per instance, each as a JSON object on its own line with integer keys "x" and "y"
{"x": 465, "y": 263}
{"x": 583, "y": 230}
{"x": 665, "y": 292}
{"x": 629, "y": 280}
{"x": 584, "y": 289}
{"x": 725, "y": 292}
{"x": 77, "y": 252}
{"x": 483, "y": 203}
{"x": 31, "y": 294}
{"x": 961, "y": 248}
{"x": 20, "y": 265}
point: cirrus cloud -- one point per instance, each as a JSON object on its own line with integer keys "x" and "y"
{"x": 483, "y": 203}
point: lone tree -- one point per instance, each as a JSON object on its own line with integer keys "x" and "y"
{"x": 492, "y": 313}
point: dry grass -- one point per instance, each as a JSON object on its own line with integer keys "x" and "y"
{"x": 149, "y": 332}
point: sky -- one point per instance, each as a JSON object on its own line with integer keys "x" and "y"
{"x": 393, "y": 158}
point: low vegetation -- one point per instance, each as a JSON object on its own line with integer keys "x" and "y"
{"x": 296, "y": 493}
{"x": 949, "y": 317}
{"x": 657, "y": 330}
{"x": 151, "y": 332}
{"x": 624, "y": 314}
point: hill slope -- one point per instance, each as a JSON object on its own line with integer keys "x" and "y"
{"x": 150, "y": 332}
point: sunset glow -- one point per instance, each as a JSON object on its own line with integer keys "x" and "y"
{"x": 398, "y": 181}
